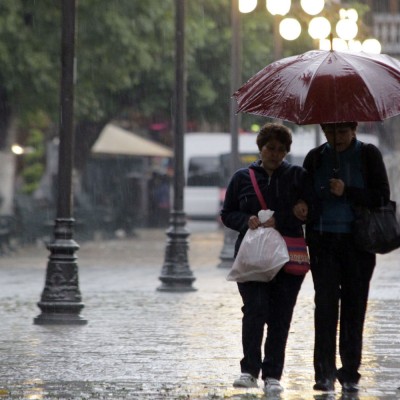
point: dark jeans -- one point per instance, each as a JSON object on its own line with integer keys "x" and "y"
{"x": 341, "y": 276}
{"x": 268, "y": 303}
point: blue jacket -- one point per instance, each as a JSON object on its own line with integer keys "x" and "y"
{"x": 288, "y": 184}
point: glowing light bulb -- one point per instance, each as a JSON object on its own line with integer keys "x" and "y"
{"x": 290, "y": 28}
{"x": 246, "y": 6}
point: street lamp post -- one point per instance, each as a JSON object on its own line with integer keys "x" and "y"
{"x": 61, "y": 300}
{"x": 176, "y": 275}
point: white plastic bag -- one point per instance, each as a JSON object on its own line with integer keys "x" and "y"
{"x": 261, "y": 255}
{"x": 265, "y": 215}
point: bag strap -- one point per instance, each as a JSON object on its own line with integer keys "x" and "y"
{"x": 257, "y": 189}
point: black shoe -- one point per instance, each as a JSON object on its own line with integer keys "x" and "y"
{"x": 349, "y": 387}
{"x": 325, "y": 385}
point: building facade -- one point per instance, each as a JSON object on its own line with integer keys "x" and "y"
{"x": 384, "y": 19}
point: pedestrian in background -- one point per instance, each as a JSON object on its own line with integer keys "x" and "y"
{"x": 267, "y": 303}
{"x": 345, "y": 173}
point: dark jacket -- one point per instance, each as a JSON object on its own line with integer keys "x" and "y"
{"x": 281, "y": 191}
{"x": 376, "y": 191}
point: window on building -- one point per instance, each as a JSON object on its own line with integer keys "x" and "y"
{"x": 381, "y": 6}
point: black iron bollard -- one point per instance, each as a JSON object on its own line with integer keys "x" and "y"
{"x": 61, "y": 300}
{"x": 176, "y": 275}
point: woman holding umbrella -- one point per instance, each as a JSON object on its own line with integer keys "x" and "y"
{"x": 345, "y": 173}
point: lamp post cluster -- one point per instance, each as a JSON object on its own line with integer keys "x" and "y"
{"x": 319, "y": 27}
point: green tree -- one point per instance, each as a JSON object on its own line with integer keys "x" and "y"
{"x": 33, "y": 161}
{"x": 125, "y": 61}
{"x": 29, "y": 59}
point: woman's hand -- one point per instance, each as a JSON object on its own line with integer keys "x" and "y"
{"x": 255, "y": 223}
{"x": 300, "y": 210}
{"x": 336, "y": 186}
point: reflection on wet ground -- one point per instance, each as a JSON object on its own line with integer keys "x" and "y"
{"x": 144, "y": 344}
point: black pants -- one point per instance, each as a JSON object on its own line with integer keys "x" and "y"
{"x": 341, "y": 276}
{"x": 269, "y": 303}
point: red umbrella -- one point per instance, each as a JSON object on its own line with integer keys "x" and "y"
{"x": 324, "y": 87}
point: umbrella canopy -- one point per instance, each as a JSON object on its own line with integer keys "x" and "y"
{"x": 324, "y": 87}
{"x": 115, "y": 140}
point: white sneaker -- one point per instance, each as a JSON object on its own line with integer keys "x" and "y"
{"x": 245, "y": 380}
{"x": 272, "y": 385}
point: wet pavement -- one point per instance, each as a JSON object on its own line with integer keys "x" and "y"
{"x": 141, "y": 343}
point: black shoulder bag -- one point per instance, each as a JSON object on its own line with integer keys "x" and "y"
{"x": 377, "y": 230}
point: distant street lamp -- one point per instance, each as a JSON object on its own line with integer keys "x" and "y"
{"x": 244, "y": 6}
{"x": 278, "y": 7}
{"x": 347, "y": 28}
{"x": 61, "y": 300}
{"x": 312, "y": 7}
{"x": 319, "y": 28}
{"x": 176, "y": 275}
{"x": 371, "y": 46}
{"x": 290, "y": 28}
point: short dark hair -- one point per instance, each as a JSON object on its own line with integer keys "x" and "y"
{"x": 274, "y": 131}
{"x": 337, "y": 125}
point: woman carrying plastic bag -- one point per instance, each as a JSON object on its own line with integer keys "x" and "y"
{"x": 262, "y": 253}
{"x": 271, "y": 303}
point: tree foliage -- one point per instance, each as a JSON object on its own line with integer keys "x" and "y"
{"x": 29, "y": 59}
{"x": 125, "y": 57}
{"x": 125, "y": 53}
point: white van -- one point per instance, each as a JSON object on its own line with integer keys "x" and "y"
{"x": 206, "y": 161}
